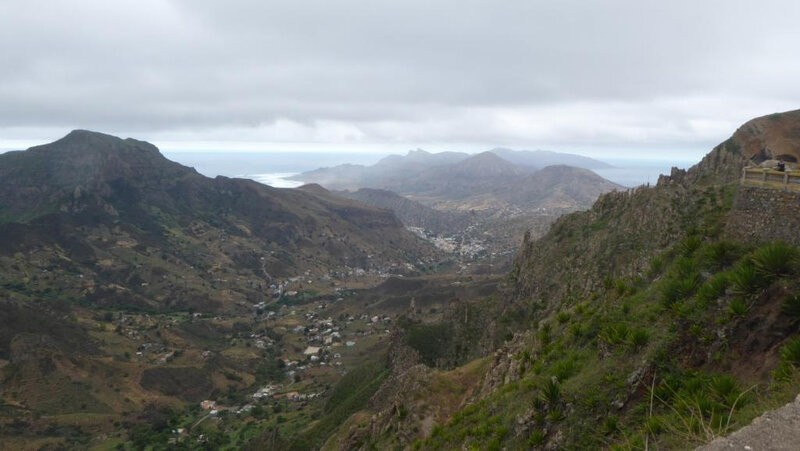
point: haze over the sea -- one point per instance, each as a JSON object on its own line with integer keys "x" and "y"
{"x": 272, "y": 168}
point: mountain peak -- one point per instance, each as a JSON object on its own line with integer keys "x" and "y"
{"x": 314, "y": 188}
{"x": 772, "y": 137}
{"x": 485, "y": 164}
{"x": 775, "y": 136}
{"x": 488, "y": 156}
{"x": 87, "y": 141}
{"x": 84, "y": 157}
{"x": 83, "y": 134}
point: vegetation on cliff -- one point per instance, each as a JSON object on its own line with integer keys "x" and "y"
{"x": 645, "y": 321}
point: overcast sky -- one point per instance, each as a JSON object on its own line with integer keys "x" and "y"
{"x": 659, "y": 78}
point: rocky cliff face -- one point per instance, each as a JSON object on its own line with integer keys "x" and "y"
{"x": 596, "y": 280}
{"x": 577, "y": 253}
{"x": 413, "y": 400}
{"x": 771, "y": 137}
{"x": 615, "y": 238}
{"x": 775, "y": 136}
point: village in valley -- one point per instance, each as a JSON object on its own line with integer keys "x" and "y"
{"x": 276, "y": 363}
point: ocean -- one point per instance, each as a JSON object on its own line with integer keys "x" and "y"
{"x": 269, "y": 168}
{"x": 272, "y": 168}
{"x": 632, "y": 172}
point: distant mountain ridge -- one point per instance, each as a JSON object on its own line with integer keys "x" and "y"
{"x": 455, "y": 181}
{"x": 543, "y": 158}
{"x": 109, "y": 202}
{"x": 486, "y": 164}
{"x": 390, "y": 171}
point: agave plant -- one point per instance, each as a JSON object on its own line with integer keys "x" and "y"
{"x": 551, "y": 392}
{"x": 775, "y": 259}
{"x": 791, "y": 307}
{"x": 746, "y": 280}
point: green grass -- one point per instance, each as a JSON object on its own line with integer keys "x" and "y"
{"x": 349, "y": 395}
{"x": 638, "y": 339}
{"x": 790, "y": 352}
{"x": 584, "y": 361}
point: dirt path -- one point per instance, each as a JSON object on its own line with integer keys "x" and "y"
{"x": 775, "y": 430}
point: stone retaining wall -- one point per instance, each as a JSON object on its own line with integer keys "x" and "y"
{"x": 763, "y": 214}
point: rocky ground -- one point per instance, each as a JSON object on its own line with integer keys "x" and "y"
{"x": 777, "y": 430}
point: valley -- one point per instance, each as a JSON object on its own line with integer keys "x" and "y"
{"x": 477, "y": 207}
{"x": 145, "y": 306}
{"x": 401, "y": 226}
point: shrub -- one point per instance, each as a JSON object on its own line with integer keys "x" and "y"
{"x": 714, "y": 288}
{"x": 724, "y": 387}
{"x": 790, "y": 352}
{"x": 578, "y": 330}
{"x": 611, "y": 425}
{"x": 617, "y": 334}
{"x": 738, "y": 307}
{"x": 775, "y": 259}
{"x": 677, "y": 289}
{"x": 654, "y": 425}
{"x": 551, "y": 392}
{"x": 565, "y": 369}
{"x": 745, "y": 279}
{"x": 544, "y": 333}
{"x": 638, "y": 339}
{"x": 622, "y": 287}
{"x": 563, "y": 317}
{"x": 656, "y": 266}
{"x": 791, "y": 307}
{"x": 536, "y": 438}
{"x": 556, "y": 415}
{"x": 684, "y": 267}
{"x": 690, "y": 244}
{"x": 720, "y": 255}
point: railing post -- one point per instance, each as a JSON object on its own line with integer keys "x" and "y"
{"x": 786, "y": 181}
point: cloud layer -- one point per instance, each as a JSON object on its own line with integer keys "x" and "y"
{"x": 574, "y": 74}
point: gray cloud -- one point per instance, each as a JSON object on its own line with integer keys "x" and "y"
{"x": 570, "y": 74}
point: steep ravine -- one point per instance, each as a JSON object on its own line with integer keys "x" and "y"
{"x": 640, "y": 295}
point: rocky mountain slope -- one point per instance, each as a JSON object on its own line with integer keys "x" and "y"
{"x": 410, "y": 212}
{"x": 141, "y": 230}
{"x": 483, "y": 182}
{"x": 638, "y": 224}
{"x": 647, "y": 321}
{"x": 132, "y": 288}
